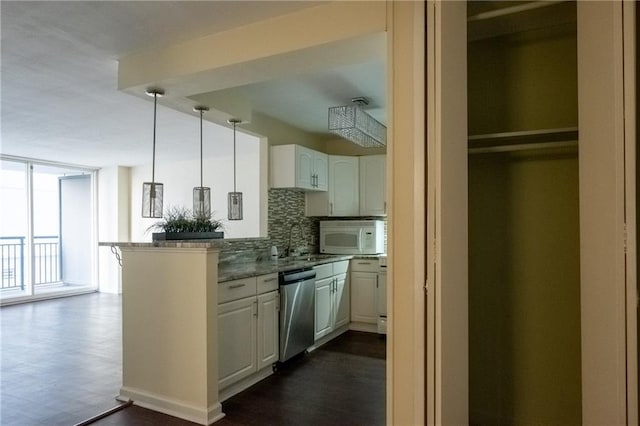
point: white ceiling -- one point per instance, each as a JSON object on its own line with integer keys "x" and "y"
{"x": 59, "y": 76}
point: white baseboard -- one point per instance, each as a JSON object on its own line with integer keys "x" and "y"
{"x": 324, "y": 339}
{"x": 243, "y": 384}
{"x": 172, "y": 407}
{"x": 363, "y": 326}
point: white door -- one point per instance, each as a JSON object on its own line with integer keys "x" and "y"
{"x": 236, "y": 340}
{"x": 304, "y": 167}
{"x": 341, "y": 301}
{"x": 373, "y": 201}
{"x": 268, "y": 347}
{"x": 363, "y": 297}
{"x": 321, "y": 170}
{"x": 382, "y": 294}
{"x": 343, "y": 186}
{"x": 324, "y": 308}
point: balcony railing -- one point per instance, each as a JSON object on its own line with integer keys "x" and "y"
{"x": 46, "y": 255}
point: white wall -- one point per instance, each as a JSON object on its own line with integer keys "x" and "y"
{"x": 179, "y": 178}
{"x": 113, "y": 223}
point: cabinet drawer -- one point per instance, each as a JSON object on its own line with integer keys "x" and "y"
{"x": 267, "y": 283}
{"x": 364, "y": 265}
{"x": 323, "y": 271}
{"x": 236, "y": 289}
{"x": 340, "y": 267}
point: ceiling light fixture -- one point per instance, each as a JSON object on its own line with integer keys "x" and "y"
{"x": 355, "y": 124}
{"x": 152, "y": 191}
{"x": 234, "y": 198}
{"x": 201, "y": 194}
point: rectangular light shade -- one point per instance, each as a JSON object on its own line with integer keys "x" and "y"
{"x": 201, "y": 201}
{"x": 235, "y": 205}
{"x": 353, "y": 123}
{"x": 152, "y": 199}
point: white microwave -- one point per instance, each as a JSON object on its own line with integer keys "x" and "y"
{"x": 352, "y": 236}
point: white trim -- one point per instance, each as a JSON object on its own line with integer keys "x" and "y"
{"x": 172, "y": 407}
{"x": 247, "y": 382}
{"x": 46, "y": 296}
{"x": 47, "y": 163}
{"x": 363, "y": 326}
{"x": 629, "y": 70}
{"x": 602, "y": 211}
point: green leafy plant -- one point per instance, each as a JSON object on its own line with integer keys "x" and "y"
{"x": 180, "y": 219}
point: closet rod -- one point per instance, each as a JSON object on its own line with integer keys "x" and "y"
{"x": 532, "y": 139}
{"x": 513, "y": 9}
{"x": 511, "y": 148}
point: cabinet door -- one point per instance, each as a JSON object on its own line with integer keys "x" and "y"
{"x": 341, "y": 301}
{"x": 343, "y": 186}
{"x": 268, "y": 345}
{"x": 373, "y": 197}
{"x": 321, "y": 171}
{"x": 304, "y": 167}
{"x": 382, "y": 293}
{"x": 363, "y": 297}
{"x": 236, "y": 340}
{"x": 324, "y": 307}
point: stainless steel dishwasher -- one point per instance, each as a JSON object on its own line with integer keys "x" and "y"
{"x": 297, "y": 311}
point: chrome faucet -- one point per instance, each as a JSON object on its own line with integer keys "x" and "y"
{"x": 288, "y": 253}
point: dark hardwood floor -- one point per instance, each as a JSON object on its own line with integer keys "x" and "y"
{"x": 60, "y": 359}
{"x": 61, "y": 364}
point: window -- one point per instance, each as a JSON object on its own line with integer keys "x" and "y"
{"x": 47, "y": 230}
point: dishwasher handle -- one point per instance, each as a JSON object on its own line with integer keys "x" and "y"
{"x": 296, "y": 276}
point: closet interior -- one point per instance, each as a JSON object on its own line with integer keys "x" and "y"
{"x": 524, "y": 253}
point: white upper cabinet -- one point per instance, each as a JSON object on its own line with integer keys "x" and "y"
{"x": 373, "y": 193}
{"x": 357, "y": 187}
{"x": 342, "y": 199}
{"x": 294, "y": 166}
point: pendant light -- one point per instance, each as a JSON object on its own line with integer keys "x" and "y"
{"x": 234, "y": 198}
{"x": 201, "y": 195}
{"x": 152, "y": 191}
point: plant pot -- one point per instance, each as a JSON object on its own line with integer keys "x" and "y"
{"x": 165, "y": 236}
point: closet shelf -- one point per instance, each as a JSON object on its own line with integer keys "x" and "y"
{"x": 531, "y": 139}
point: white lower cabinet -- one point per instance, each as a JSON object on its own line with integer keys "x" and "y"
{"x": 268, "y": 344}
{"x": 364, "y": 307}
{"x": 332, "y": 298}
{"x": 324, "y": 307}
{"x": 237, "y": 343}
{"x": 341, "y": 301}
{"x": 247, "y": 329}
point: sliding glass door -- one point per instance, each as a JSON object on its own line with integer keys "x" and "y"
{"x": 47, "y": 230}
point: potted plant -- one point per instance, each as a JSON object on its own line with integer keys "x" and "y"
{"x": 180, "y": 223}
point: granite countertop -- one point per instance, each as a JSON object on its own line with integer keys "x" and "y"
{"x": 215, "y": 243}
{"x": 235, "y": 271}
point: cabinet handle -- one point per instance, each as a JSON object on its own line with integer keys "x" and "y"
{"x": 268, "y": 280}
{"x": 330, "y": 208}
{"x": 255, "y": 307}
{"x": 364, "y": 263}
{"x": 236, "y": 286}
{"x": 385, "y": 207}
{"x": 377, "y": 280}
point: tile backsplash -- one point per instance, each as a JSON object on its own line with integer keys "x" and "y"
{"x": 286, "y": 209}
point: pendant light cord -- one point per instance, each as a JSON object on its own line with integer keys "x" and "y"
{"x": 201, "y": 185}
{"x": 153, "y": 163}
{"x": 234, "y": 156}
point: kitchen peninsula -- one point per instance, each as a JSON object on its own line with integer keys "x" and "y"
{"x": 170, "y": 302}
{"x": 169, "y": 327}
